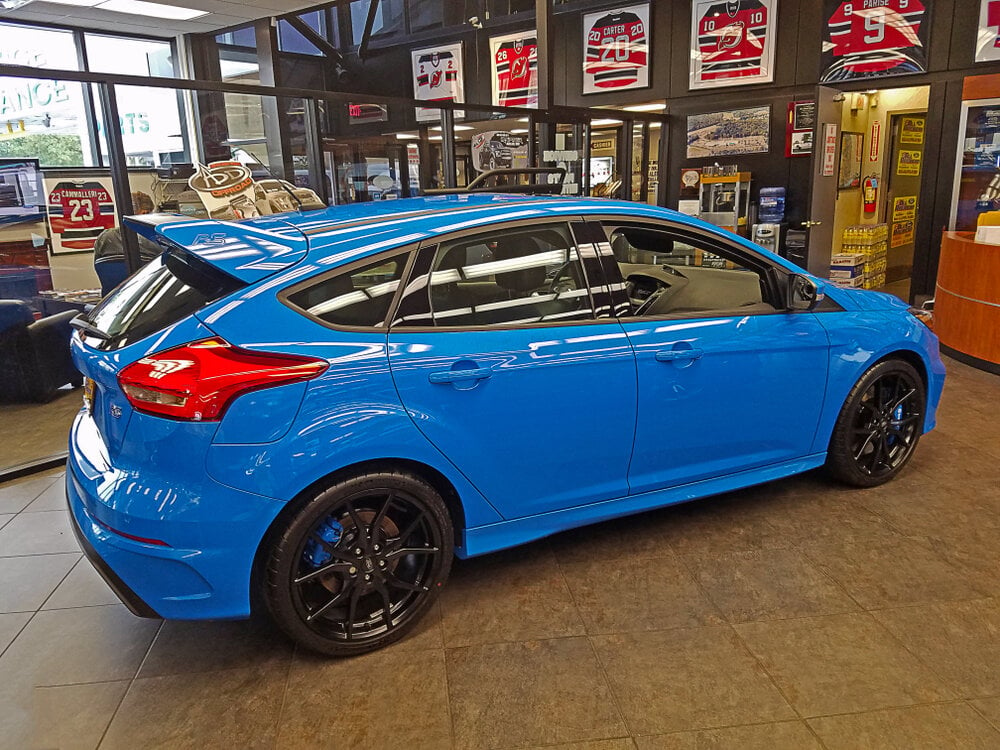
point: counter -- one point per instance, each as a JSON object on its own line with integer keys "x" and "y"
{"x": 967, "y": 300}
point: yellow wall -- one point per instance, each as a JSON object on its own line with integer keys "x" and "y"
{"x": 889, "y": 102}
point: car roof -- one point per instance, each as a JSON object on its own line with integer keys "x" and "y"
{"x": 341, "y": 234}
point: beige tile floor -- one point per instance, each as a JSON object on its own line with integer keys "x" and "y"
{"x": 799, "y": 614}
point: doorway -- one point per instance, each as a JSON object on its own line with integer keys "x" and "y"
{"x": 866, "y": 186}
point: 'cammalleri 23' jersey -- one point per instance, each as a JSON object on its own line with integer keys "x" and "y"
{"x": 616, "y": 50}
{"x": 731, "y": 39}
{"x": 79, "y": 212}
{"x": 517, "y": 73}
{"x": 437, "y": 77}
{"x": 875, "y": 35}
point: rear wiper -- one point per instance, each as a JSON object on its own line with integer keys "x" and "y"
{"x": 81, "y": 323}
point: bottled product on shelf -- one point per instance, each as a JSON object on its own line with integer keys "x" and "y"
{"x": 861, "y": 262}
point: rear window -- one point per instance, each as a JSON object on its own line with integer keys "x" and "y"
{"x": 359, "y": 298}
{"x": 164, "y": 291}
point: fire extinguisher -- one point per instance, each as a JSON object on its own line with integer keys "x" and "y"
{"x": 869, "y": 190}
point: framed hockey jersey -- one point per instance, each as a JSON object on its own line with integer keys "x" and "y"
{"x": 616, "y": 47}
{"x": 78, "y": 212}
{"x": 988, "y": 38}
{"x": 514, "y": 59}
{"x": 874, "y": 38}
{"x": 437, "y": 77}
{"x": 732, "y": 42}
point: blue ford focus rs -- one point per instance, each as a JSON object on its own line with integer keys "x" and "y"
{"x": 313, "y": 413}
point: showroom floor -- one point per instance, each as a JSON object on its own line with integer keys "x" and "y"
{"x": 797, "y": 615}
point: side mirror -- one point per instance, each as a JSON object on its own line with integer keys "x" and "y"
{"x": 803, "y": 294}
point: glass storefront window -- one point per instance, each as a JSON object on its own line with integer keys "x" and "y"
{"x": 290, "y": 40}
{"x": 390, "y": 18}
{"x": 111, "y": 54}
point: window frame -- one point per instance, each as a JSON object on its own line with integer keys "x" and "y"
{"x": 775, "y": 276}
{"x": 409, "y": 250}
{"x": 430, "y": 245}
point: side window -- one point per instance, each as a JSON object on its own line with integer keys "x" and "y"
{"x": 673, "y": 273}
{"x": 357, "y": 298}
{"x": 514, "y": 276}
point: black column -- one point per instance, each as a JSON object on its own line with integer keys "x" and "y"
{"x": 119, "y": 172}
{"x": 544, "y": 30}
{"x": 279, "y": 150}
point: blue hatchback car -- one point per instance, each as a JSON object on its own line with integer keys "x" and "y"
{"x": 313, "y": 413}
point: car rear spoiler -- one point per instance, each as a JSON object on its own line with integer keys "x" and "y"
{"x": 247, "y": 251}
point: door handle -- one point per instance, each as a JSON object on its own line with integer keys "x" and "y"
{"x": 458, "y": 376}
{"x": 672, "y": 355}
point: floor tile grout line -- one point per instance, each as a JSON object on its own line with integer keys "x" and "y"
{"x": 904, "y": 707}
{"x": 593, "y": 648}
{"x": 61, "y": 581}
{"x": 284, "y": 696}
{"x": 131, "y": 684}
{"x": 447, "y": 681}
{"x": 27, "y": 622}
{"x": 993, "y": 723}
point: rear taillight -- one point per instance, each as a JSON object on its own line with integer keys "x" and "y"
{"x": 197, "y": 381}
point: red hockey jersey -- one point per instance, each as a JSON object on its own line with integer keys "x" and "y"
{"x": 437, "y": 77}
{"x": 731, "y": 39}
{"x": 79, "y": 212}
{"x": 876, "y": 35}
{"x": 517, "y": 73}
{"x": 617, "y": 49}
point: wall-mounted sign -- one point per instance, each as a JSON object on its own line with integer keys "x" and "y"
{"x": 437, "y": 77}
{"x": 908, "y": 164}
{"x": 904, "y": 208}
{"x": 737, "y": 131}
{"x": 988, "y": 38}
{"x": 874, "y": 38}
{"x": 498, "y": 149}
{"x": 602, "y": 145}
{"x": 617, "y": 49}
{"x": 874, "y": 140}
{"x": 78, "y": 213}
{"x": 358, "y": 114}
{"x": 911, "y": 130}
{"x": 732, "y": 42}
{"x": 514, "y": 59}
{"x": 799, "y": 128}
{"x": 829, "y": 164}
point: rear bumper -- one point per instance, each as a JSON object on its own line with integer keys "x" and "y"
{"x": 210, "y": 533}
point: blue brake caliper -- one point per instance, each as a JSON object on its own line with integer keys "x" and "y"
{"x": 330, "y": 532}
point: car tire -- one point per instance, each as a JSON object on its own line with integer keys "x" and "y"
{"x": 879, "y": 425}
{"x": 359, "y": 563}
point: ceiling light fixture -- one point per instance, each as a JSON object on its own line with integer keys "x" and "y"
{"x": 602, "y": 123}
{"x": 77, "y": 3}
{"x": 652, "y": 107}
{"x": 152, "y": 10}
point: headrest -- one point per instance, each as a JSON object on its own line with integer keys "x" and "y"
{"x": 523, "y": 279}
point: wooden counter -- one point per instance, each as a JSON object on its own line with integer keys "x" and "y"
{"x": 967, "y": 302}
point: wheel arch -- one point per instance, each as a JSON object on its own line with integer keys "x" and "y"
{"x": 427, "y": 473}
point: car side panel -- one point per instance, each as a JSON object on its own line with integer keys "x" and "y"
{"x": 859, "y": 339}
{"x": 348, "y": 415}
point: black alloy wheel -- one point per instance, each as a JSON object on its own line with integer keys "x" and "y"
{"x": 879, "y": 425}
{"x": 360, "y": 563}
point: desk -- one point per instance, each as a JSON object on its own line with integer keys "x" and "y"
{"x": 967, "y": 300}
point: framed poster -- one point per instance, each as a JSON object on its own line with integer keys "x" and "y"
{"x": 514, "y": 60}
{"x": 849, "y": 176}
{"x": 988, "y": 38}
{"x": 617, "y": 49}
{"x": 732, "y": 42}
{"x": 79, "y": 210}
{"x": 799, "y": 128}
{"x": 874, "y": 38}
{"x": 437, "y": 77}
{"x": 738, "y": 131}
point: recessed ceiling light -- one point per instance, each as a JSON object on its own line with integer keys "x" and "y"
{"x": 601, "y": 123}
{"x": 653, "y": 107}
{"x": 457, "y": 127}
{"x": 518, "y": 131}
{"x": 406, "y": 137}
{"x": 153, "y": 10}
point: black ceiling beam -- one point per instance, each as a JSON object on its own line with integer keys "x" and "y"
{"x": 314, "y": 39}
{"x": 369, "y": 23}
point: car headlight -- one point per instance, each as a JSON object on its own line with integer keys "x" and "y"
{"x": 924, "y": 316}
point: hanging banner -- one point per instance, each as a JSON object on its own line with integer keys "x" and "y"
{"x": 732, "y": 42}
{"x": 874, "y": 38}
{"x": 988, "y": 38}
{"x": 78, "y": 212}
{"x": 617, "y": 49}
{"x": 498, "y": 149}
{"x": 514, "y": 59}
{"x": 437, "y": 77}
{"x": 876, "y": 136}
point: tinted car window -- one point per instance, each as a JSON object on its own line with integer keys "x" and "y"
{"x": 358, "y": 298}
{"x": 164, "y": 291}
{"x": 529, "y": 275}
{"x": 667, "y": 273}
